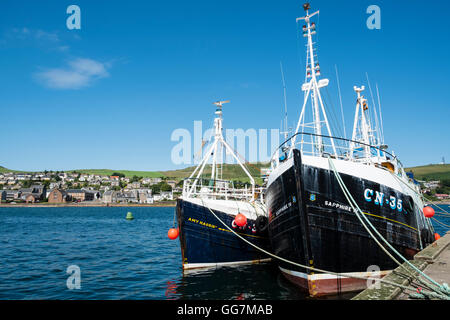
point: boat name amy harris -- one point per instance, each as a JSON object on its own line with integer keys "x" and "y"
{"x": 255, "y": 145}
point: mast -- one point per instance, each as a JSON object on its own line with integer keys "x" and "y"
{"x": 312, "y": 88}
{"x": 362, "y": 127}
{"x": 218, "y": 144}
{"x": 285, "y": 132}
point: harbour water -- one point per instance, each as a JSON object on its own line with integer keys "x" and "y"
{"x": 118, "y": 258}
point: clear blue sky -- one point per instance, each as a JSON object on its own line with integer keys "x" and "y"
{"x": 110, "y": 95}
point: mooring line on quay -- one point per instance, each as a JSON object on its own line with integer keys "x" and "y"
{"x": 439, "y": 288}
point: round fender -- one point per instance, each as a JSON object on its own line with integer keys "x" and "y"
{"x": 261, "y": 224}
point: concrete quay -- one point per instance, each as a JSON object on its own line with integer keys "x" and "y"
{"x": 434, "y": 261}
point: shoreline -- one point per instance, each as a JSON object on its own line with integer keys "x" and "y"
{"x": 166, "y": 204}
{"x": 446, "y": 202}
{"x": 87, "y": 205}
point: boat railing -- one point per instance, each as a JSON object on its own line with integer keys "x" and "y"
{"x": 344, "y": 149}
{"x": 220, "y": 189}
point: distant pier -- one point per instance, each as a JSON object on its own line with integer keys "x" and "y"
{"x": 434, "y": 261}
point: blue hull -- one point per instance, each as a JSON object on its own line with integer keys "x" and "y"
{"x": 205, "y": 241}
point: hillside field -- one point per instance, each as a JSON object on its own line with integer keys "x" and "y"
{"x": 235, "y": 172}
{"x": 431, "y": 172}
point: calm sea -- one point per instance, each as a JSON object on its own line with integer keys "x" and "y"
{"x": 117, "y": 258}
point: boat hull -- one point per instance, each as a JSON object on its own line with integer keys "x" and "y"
{"x": 206, "y": 242}
{"x": 311, "y": 223}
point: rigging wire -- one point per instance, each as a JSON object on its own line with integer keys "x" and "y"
{"x": 374, "y": 113}
{"x": 334, "y": 117}
{"x": 381, "y": 117}
{"x": 285, "y": 102}
{"x": 340, "y": 101}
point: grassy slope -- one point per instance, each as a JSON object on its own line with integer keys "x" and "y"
{"x": 230, "y": 172}
{"x": 234, "y": 172}
{"x": 431, "y": 172}
{"x": 127, "y": 173}
{"x": 4, "y": 170}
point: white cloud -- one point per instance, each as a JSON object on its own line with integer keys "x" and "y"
{"x": 25, "y": 33}
{"x": 49, "y": 36}
{"x": 63, "y": 48}
{"x": 79, "y": 73}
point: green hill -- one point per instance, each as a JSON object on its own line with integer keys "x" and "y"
{"x": 127, "y": 173}
{"x": 229, "y": 172}
{"x": 234, "y": 172}
{"x": 5, "y": 170}
{"x": 431, "y": 172}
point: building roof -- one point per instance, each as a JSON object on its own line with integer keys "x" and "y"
{"x": 75, "y": 191}
{"x": 63, "y": 192}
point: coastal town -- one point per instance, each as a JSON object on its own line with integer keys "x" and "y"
{"x": 87, "y": 188}
{"x": 76, "y": 187}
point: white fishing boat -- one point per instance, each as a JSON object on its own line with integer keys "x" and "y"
{"x": 322, "y": 188}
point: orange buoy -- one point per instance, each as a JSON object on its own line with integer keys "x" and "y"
{"x": 428, "y": 212}
{"x": 173, "y": 233}
{"x": 240, "y": 220}
{"x": 437, "y": 236}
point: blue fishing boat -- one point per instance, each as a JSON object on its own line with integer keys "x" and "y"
{"x": 214, "y": 215}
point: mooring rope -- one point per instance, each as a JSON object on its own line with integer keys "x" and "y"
{"x": 441, "y": 223}
{"x": 436, "y": 205}
{"x": 358, "y": 211}
{"x": 355, "y": 208}
{"x": 439, "y": 296}
{"x": 443, "y": 212}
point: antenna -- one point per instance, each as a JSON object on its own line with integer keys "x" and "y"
{"x": 285, "y": 103}
{"x": 381, "y": 117}
{"x": 220, "y": 103}
{"x": 340, "y": 101}
{"x": 375, "y": 113}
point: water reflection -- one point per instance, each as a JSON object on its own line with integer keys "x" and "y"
{"x": 261, "y": 281}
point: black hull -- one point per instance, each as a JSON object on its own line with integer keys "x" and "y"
{"x": 205, "y": 242}
{"x": 311, "y": 223}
